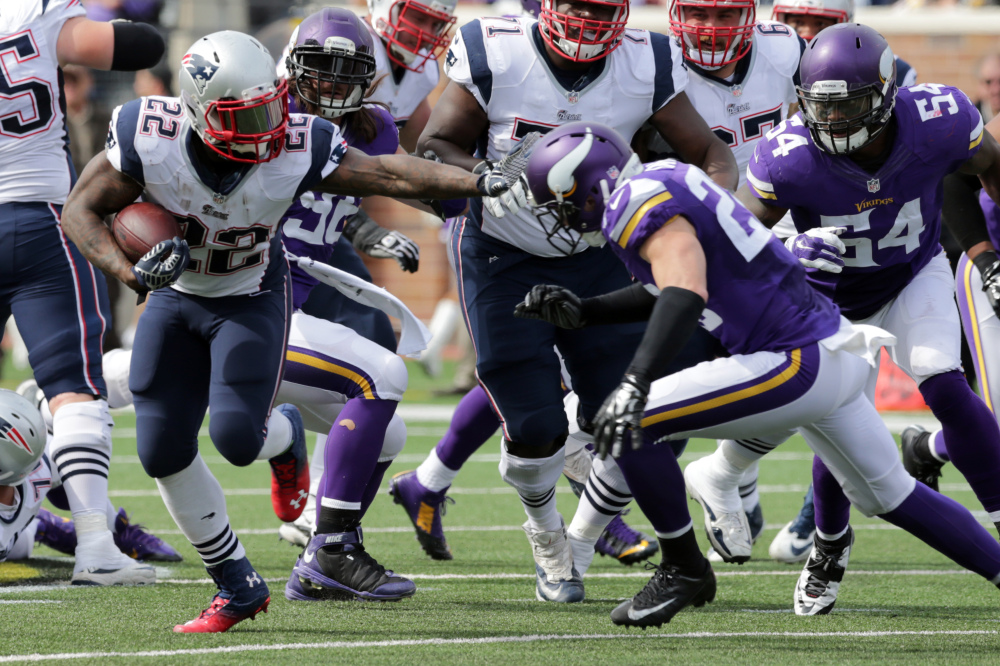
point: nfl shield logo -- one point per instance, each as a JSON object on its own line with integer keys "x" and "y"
{"x": 736, "y": 90}
{"x": 220, "y": 199}
{"x": 874, "y": 185}
{"x": 613, "y": 173}
{"x": 573, "y": 97}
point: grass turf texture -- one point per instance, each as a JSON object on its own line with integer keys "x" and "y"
{"x": 743, "y": 624}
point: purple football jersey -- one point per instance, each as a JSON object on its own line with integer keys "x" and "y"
{"x": 892, "y": 216}
{"x": 313, "y": 224}
{"x": 758, "y": 297}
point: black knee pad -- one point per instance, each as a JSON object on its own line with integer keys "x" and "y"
{"x": 522, "y": 450}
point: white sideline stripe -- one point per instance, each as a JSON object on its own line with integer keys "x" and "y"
{"x": 30, "y": 601}
{"x": 486, "y": 640}
{"x": 507, "y": 490}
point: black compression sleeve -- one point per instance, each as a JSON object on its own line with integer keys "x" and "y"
{"x": 629, "y": 304}
{"x": 984, "y": 261}
{"x": 674, "y": 319}
{"x": 137, "y": 46}
{"x": 961, "y": 211}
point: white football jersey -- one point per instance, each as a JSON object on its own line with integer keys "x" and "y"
{"x": 229, "y": 232}
{"x": 757, "y": 98}
{"x": 34, "y": 147}
{"x": 413, "y": 88}
{"x": 28, "y": 500}
{"x": 501, "y": 62}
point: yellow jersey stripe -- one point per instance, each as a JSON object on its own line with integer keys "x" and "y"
{"x": 976, "y": 141}
{"x": 639, "y": 214}
{"x": 749, "y": 392}
{"x": 305, "y": 359}
{"x": 984, "y": 384}
{"x": 762, "y": 194}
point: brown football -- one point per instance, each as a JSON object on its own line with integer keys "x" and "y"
{"x": 139, "y": 227}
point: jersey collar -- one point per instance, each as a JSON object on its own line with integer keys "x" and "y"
{"x": 570, "y": 81}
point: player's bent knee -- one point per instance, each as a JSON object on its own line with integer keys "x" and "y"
{"x": 390, "y": 377}
{"x": 926, "y": 362}
{"x": 537, "y": 431}
{"x": 85, "y": 423}
{"x": 236, "y": 436}
{"x": 884, "y": 495}
{"x": 395, "y": 438}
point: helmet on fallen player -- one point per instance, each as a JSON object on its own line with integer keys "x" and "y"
{"x": 22, "y": 437}
{"x": 531, "y": 7}
{"x": 840, "y": 11}
{"x": 847, "y": 87}
{"x": 571, "y": 173}
{"x": 580, "y": 39}
{"x": 414, "y": 32}
{"x": 331, "y": 61}
{"x": 713, "y": 47}
{"x": 233, "y": 98}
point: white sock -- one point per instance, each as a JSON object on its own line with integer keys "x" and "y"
{"x": 279, "y": 436}
{"x": 535, "y": 481}
{"x": 317, "y": 465}
{"x": 932, "y": 448}
{"x": 434, "y": 475}
{"x": 748, "y": 487}
{"x": 831, "y": 537}
{"x": 80, "y": 449}
{"x": 116, "y": 364}
{"x": 675, "y": 534}
{"x": 195, "y": 500}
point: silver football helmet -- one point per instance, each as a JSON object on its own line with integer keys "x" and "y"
{"x": 233, "y": 97}
{"x": 414, "y": 31}
{"x": 22, "y": 437}
{"x": 842, "y": 11}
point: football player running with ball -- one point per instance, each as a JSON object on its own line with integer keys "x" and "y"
{"x": 795, "y": 363}
{"x": 227, "y": 161}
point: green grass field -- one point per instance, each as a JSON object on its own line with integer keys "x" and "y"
{"x": 901, "y": 602}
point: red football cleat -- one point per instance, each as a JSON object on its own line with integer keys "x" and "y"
{"x": 217, "y": 618}
{"x": 290, "y": 471}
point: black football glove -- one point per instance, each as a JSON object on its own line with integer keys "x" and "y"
{"x": 557, "y": 305}
{"x": 162, "y": 265}
{"x": 621, "y": 413}
{"x": 991, "y": 285}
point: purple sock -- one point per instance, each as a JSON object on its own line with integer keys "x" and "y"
{"x": 472, "y": 425}
{"x": 948, "y": 527}
{"x": 353, "y": 447}
{"x": 656, "y": 481}
{"x": 970, "y": 430}
{"x": 940, "y": 448}
{"x": 833, "y": 509}
{"x": 374, "y": 485}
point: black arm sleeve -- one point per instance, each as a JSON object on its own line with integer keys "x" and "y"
{"x": 137, "y": 46}
{"x": 674, "y": 319}
{"x": 961, "y": 212}
{"x": 629, "y": 304}
{"x": 363, "y": 231}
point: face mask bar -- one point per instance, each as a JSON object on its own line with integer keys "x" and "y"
{"x": 713, "y": 47}
{"x": 554, "y": 218}
{"x": 578, "y": 36}
{"x": 430, "y": 44}
{"x": 318, "y": 73}
{"x": 842, "y": 123}
{"x": 249, "y": 130}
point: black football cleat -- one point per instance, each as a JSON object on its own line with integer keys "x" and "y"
{"x": 667, "y": 592}
{"x": 917, "y": 460}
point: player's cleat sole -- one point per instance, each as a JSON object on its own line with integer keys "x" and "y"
{"x": 138, "y": 543}
{"x": 728, "y": 532}
{"x": 917, "y": 461}
{"x": 290, "y": 471}
{"x": 424, "y": 508}
{"x": 625, "y": 544}
{"x": 242, "y": 595}
{"x": 336, "y": 567}
{"x": 819, "y": 583}
{"x": 667, "y": 593}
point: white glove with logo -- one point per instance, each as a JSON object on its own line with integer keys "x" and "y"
{"x": 819, "y": 248}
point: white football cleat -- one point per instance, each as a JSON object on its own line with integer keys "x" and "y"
{"x": 299, "y": 532}
{"x": 99, "y": 562}
{"x": 725, "y": 521}
{"x": 818, "y": 585}
{"x": 789, "y": 546}
{"x": 556, "y": 577}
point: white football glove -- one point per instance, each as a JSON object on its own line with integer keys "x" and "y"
{"x": 511, "y": 201}
{"x": 819, "y": 248}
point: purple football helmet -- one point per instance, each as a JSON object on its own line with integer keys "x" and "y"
{"x": 531, "y": 7}
{"x": 572, "y": 171}
{"x": 848, "y": 87}
{"x": 331, "y": 61}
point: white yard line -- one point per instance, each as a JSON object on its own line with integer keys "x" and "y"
{"x": 485, "y": 640}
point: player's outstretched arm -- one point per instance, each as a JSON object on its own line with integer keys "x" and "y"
{"x": 456, "y": 122}
{"x": 688, "y": 133}
{"x": 767, "y": 213}
{"x": 119, "y": 45}
{"x": 101, "y": 191}
{"x": 405, "y": 177}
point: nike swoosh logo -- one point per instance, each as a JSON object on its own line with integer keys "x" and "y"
{"x": 802, "y": 245}
{"x": 308, "y": 556}
{"x": 798, "y": 551}
{"x": 633, "y": 614}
